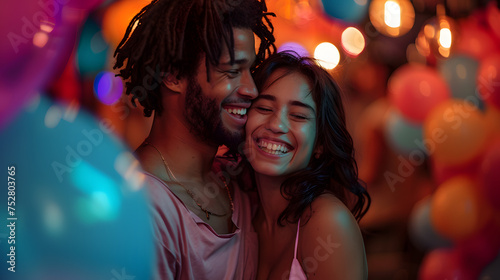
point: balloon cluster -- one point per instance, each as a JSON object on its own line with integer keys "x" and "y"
{"x": 449, "y": 112}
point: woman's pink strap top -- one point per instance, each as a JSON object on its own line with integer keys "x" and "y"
{"x": 296, "y": 271}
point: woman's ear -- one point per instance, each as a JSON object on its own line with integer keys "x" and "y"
{"x": 174, "y": 84}
{"x": 318, "y": 151}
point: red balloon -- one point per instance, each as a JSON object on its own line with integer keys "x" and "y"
{"x": 475, "y": 40}
{"x": 445, "y": 264}
{"x": 493, "y": 19}
{"x": 415, "y": 90}
{"x": 481, "y": 248}
{"x": 490, "y": 174}
{"x": 441, "y": 172}
{"x": 488, "y": 79}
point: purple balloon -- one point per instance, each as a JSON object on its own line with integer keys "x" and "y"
{"x": 39, "y": 36}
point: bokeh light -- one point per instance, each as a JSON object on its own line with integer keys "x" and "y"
{"x": 327, "y": 55}
{"x": 118, "y": 17}
{"x": 392, "y": 17}
{"x": 107, "y": 87}
{"x": 353, "y": 41}
{"x": 294, "y": 47}
{"x": 438, "y": 36}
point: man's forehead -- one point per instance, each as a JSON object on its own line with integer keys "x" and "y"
{"x": 244, "y": 48}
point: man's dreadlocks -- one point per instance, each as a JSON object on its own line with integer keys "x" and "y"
{"x": 171, "y": 36}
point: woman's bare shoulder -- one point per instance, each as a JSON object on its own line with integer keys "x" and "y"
{"x": 332, "y": 238}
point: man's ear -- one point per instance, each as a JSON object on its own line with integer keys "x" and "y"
{"x": 174, "y": 84}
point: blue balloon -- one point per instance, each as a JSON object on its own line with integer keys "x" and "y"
{"x": 92, "y": 52}
{"x": 403, "y": 136}
{"x": 460, "y": 72}
{"x": 79, "y": 208}
{"x": 346, "y": 10}
{"x": 421, "y": 231}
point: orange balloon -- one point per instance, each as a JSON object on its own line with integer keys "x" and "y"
{"x": 456, "y": 132}
{"x": 117, "y": 18}
{"x": 492, "y": 116}
{"x": 457, "y": 209}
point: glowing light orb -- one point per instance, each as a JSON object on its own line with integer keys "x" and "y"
{"x": 327, "y": 55}
{"x": 107, "y": 87}
{"x": 437, "y": 37}
{"x": 353, "y": 41}
{"x": 294, "y": 47}
{"x": 392, "y": 17}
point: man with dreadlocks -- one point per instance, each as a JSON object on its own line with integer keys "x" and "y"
{"x": 200, "y": 54}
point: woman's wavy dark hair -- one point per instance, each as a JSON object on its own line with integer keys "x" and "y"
{"x": 171, "y": 36}
{"x": 335, "y": 171}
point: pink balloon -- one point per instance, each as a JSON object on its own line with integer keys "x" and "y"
{"x": 38, "y": 38}
{"x": 415, "y": 90}
{"x": 488, "y": 79}
{"x": 490, "y": 175}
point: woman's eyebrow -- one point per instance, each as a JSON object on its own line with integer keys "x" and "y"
{"x": 293, "y": 102}
{"x": 266, "y": 97}
{"x": 301, "y": 104}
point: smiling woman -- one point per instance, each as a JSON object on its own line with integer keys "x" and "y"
{"x": 302, "y": 161}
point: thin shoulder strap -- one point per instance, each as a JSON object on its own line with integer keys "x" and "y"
{"x": 296, "y": 240}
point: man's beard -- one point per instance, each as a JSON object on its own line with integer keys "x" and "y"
{"x": 204, "y": 118}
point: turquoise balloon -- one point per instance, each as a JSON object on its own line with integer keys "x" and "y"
{"x": 346, "y": 10}
{"x": 460, "y": 72}
{"x": 79, "y": 208}
{"x": 403, "y": 136}
{"x": 93, "y": 51}
{"x": 420, "y": 229}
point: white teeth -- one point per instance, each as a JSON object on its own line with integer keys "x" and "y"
{"x": 237, "y": 111}
{"x": 272, "y": 148}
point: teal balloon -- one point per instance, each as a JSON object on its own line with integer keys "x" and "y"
{"x": 346, "y": 10}
{"x": 460, "y": 72}
{"x": 80, "y": 208}
{"x": 93, "y": 51}
{"x": 420, "y": 229}
{"x": 403, "y": 136}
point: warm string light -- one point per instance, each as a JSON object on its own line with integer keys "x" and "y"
{"x": 353, "y": 41}
{"x": 438, "y": 35}
{"x": 392, "y": 18}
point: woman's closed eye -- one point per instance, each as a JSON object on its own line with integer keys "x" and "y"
{"x": 299, "y": 117}
{"x": 263, "y": 109}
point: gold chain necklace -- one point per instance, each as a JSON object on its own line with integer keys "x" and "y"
{"x": 189, "y": 192}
